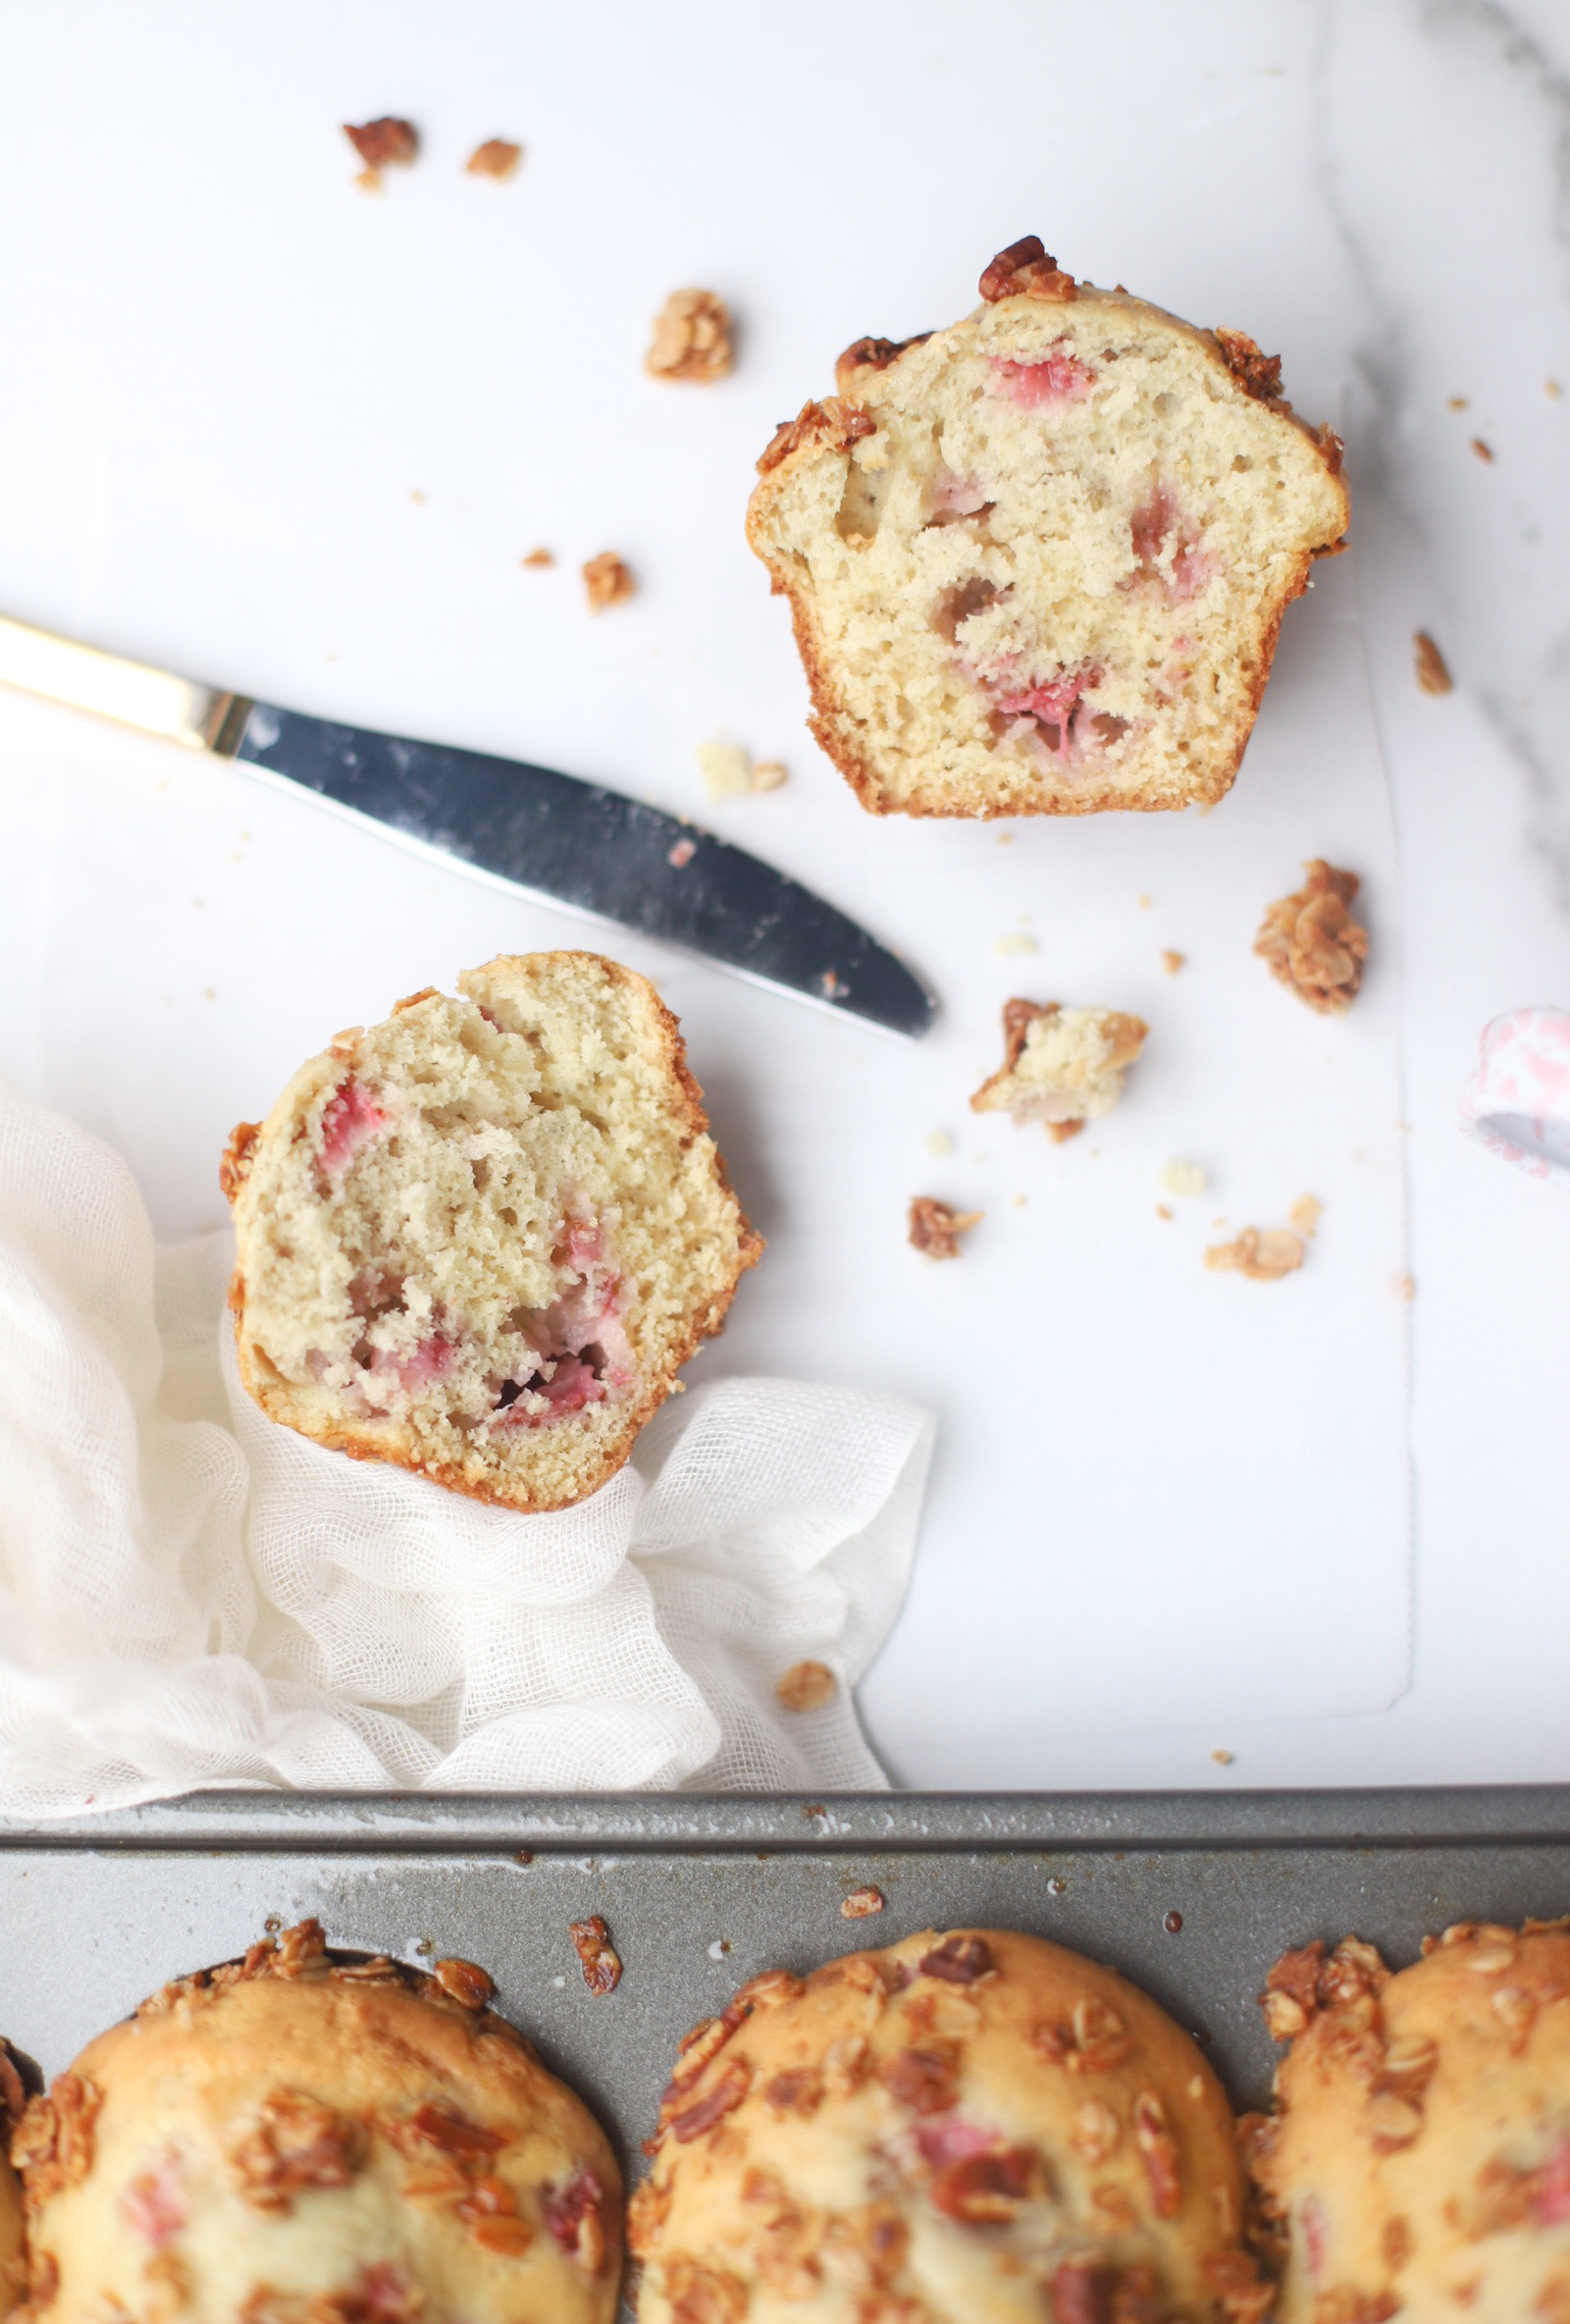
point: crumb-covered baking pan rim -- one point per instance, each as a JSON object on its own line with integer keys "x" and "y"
{"x": 380, "y": 1822}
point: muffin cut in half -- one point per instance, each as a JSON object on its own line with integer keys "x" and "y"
{"x": 479, "y": 1240}
{"x": 293, "y": 2139}
{"x": 975, "y": 2127}
{"x": 1036, "y": 562}
{"x": 1417, "y": 2159}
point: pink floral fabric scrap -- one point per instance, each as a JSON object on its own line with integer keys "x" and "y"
{"x": 1517, "y": 1103}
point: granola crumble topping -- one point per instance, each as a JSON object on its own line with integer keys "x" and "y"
{"x": 805, "y": 1686}
{"x": 1312, "y": 944}
{"x": 601, "y": 1964}
{"x": 1025, "y": 270}
{"x": 1258, "y": 375}
{"x": 691, "y": 337}
{"x": 936, "y": 1226}
{"x": 497, "y": 158}
{"x": 608, "y": 580}
{"x": 1432, "y": 670}
{"x": 1261, "y": 1253}
{"x": 295, "y": 2142}
{"x": 833, "y": 422}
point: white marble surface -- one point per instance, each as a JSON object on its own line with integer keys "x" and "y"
{"x": 225, "y": 374}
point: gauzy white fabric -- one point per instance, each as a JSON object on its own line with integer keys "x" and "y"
{"x": 190, "y": 1594}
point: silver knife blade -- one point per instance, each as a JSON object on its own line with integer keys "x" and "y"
{"x": 571, "y": 842}
{"x": 596, "y": 851}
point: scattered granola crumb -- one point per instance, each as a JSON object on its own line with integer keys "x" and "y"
{"x": 1021, "y": 1200}
{"x": 1311, "y": 942}
{"x": 601, "y": 1964}
{"x": 1005, "y": 838}
{"x": 936, "y": 1226}
{"x": 1015, "y": 941}
{"x": 1263, "y": 1253}
{"x": 1172, "y": 962}
{"x": 1551, "y": 387}
{"x": 1145, "y": 903}
{"x": 608, "y": 581}
{"x": 1222, "y": 1759}
{"x": 417, "y": 496}
{"x": 1185, "y": 1178}
{"x": 1458, "y": 403}
{"x": 938, "y": 1142}
{"x": 682, "y": 854}
{"x": 806, "y": 1686}
{"x": 728, "y": 770}
{"x": 496, "y": 158}
{"x": 1483, "y": 450}
{"x": 1433, "y": 671}
{"x": 384, "y": 144}
{"x": 1061, "y": 1067}
{"x": 691, "y": 337}
{"x": 539, "y": 561}
{"x": 861, "y": 1903}
{"x": 1403, "y": 1287}
{"x": 1305, "y": 1213}
{"x": 1164, "y": 1212}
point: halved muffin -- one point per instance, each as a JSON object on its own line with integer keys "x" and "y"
{"x": 1036, "y": 562}
{"x": 479, "y": 1240}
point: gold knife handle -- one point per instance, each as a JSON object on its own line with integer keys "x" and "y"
{"x": 175, "y": 709}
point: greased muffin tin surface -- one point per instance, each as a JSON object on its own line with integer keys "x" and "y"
{"x": 1192, "y": 1895}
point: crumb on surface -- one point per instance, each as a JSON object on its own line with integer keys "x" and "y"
{"x": 682, "y": 854}
{"x": 1185, "y": 1178}
{"x": 1224, "y": 1759}
{"x": 601, "y": 1964}
{"x": 1263, "y": 1253}
{"x": 936, "y": 1226}
{"x": 1005, "y": 838}
{"x": 1015, "y": 941}
{"x": 497, "y": 158}
{"x": 729, "y": 770}
{"x": 1457, "y": 402}
{"x": 608, "y": 581}
{"x": 861, "y": 1903}
{"x": 417, "y": 496}
{"x": 1485, "y": 451}
{"x": 1172, "y": 962}
{"x": 1312, "y": 944}
{"x": 938, "y": 1142}
{"x": 1021, "y": 1200}
{"x": 537, "y": 559}
{"x": 1061, "y": 1067}
{"x": 1165, "y": 1211}
{"x": 1145, "y": 903}
{"x": 385, "y": 144}
{"x": 805, "y": 1686}
{"x": 1306, "y": 1213}
{"x": 691, "y": 337}
{"x": 1551, "y": 387}
{"x": 1433, "y": 671}
{"x": 1404, "y": 1287}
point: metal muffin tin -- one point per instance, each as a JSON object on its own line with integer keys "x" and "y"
{"x": 1191, "y": 1894}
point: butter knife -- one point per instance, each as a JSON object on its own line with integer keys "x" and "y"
{"x": 595, "y": 851}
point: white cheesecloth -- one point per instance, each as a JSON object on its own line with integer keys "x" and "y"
{"x": 191, "y": 1594}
